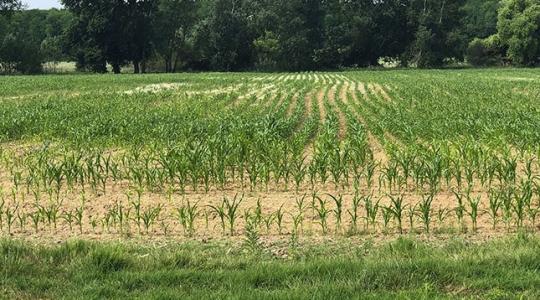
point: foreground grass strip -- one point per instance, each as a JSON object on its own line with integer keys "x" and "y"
{"x": 404, "y": 268}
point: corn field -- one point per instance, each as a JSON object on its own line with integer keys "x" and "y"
{"x": 212, "y": 154}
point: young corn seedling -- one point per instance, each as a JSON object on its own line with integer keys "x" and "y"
{"x": 495, "y": 204}
{"x": 107, "y": 221}
{"x": 36, "y": 218}
{"x": 69, "y": 218}
{"x": 21, "y": 217}
{"x": 520, "y": 204}
{"x": 164, "y": 227}
{"x": 460, "y": 210}
{"x": 300, "y": 206}
{"x": 353, "y": 213}
{"x": 411, "y": 214}
{"x": 137, "y": 210}
{"x": 297, "y": 219}
{"x": 252, "y": 239}
{"x": 387, "y": 215}
{"x": 186, "y": 216}
{"x": 299, "y": 172}
{"x": 93, "y": 222}
{"x": 372, "y": 209}
{"x": 397, "y": 208}
{"x": 424, "y": 211}
{"x": 533, "y": 212}
{"x": 10, "y": 217}
{"x": 280, "y": 214}
{"x": 338, "y": 210}
{"x": 220, "y": 212}
{"x": 2, "y": 204}
{"x": 231, "y": 209}
{"x": 268, "y": 220}
{"x": 118, "y": 214}
{"x": 442, "y": 215}
{"x": 257, "y": 214}
{"x": 507, "y": 195}
{"x": 473, "y": 212}
{"x": 150, "y": 216}
{"x": 51, "y": 213}
{"x": 370, "y": 173}
{"x": 79, "y": 214}
{"x": 323, "y": 213}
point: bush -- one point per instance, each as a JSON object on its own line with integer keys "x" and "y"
{"x": 485, "y": 52}
{"x": 519, "y": 29}
{"x": 17, "y": 55}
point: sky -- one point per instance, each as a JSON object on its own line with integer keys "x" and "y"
{"x": 42, "y": 4}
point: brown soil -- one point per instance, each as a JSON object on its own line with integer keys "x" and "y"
{"x": 341, "y": 116}
{"x": 294, "y": 103}
{"x": 320, "y": 103}
{"x": 362, "y": 89}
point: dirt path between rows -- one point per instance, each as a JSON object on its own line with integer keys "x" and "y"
{"x": 342, "y": 133}
{"x": 320, "y": 103}
{"x": 379, "y": 154}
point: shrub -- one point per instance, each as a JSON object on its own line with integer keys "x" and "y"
{"x": 485, "y": 52}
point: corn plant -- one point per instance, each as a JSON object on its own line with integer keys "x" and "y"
{"x": 220, "y": 213}
{"x": 300, "y": 207}
{"x": 2, "y": 204}
{"x": 353, "y": 213}
{"x": 231, "y": 211}
{"x": 69, "y": 218}
{"x": 186, "y": 216}
{"x": 397, "y": 208}
{"x": 36, "y": 218}
{"x": 372, "y": 209}
{"x": 338, "y": 210}
{"x": 507, "y": 199}
{"x": 495, "y": 204}
{"x": 473, "y": 210}
{"x": 521, "y": 202}
{"x": 425, "y": 212}
{"x": 323, "y": 212}
{"x": 460, "y": 210}
{"x": 268, "y": 220}
{"x": 150, "y": 215}
{"x": 252, "y": 239}
{"x": 21, "y": 217}
{"x": 387, "y": 215}
{"x": 79, "y": 214}
{"x": 280, "y": 214}
{"x": 10, "y": 217}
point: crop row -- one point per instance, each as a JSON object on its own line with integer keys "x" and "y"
{"x": 512, "y": 208}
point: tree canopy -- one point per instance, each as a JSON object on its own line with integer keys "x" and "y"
{"x": 294, "y": 35}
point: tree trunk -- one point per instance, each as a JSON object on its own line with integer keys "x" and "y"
{"x": 143, "y": 67}
{"x": 167, "y": 65}
{"x": 442, "y": 11}
{"x": 175, "y": 63}
{"x": 116, "y": 68}
{"x": 136, "y": 68}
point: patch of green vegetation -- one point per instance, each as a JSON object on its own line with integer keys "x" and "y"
{"x": 404, "y": 268}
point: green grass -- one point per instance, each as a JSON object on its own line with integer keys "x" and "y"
{"x": 404, "y": 268}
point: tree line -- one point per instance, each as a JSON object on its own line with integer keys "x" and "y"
{"x": 289, "y": 35}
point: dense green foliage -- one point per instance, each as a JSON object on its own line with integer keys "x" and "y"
{"x": 519, "y": 29}
{"x": 404, "y": 268}
{"x": 233, "y": 35}
{"x": 29, "y": 38}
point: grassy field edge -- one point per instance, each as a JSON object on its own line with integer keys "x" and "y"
{"x": 403, "y": 268}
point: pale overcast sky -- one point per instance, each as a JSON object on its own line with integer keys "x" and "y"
{"x": 42, "y": 4}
